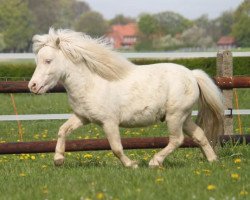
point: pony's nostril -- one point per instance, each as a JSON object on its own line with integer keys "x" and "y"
{"x": 32, "y": 86}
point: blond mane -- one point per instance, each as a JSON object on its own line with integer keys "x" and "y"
{"x": 81, "y": 48}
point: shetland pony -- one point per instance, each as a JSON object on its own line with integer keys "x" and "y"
{"x": 107, "y": 89}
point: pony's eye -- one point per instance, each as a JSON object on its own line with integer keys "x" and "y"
{"x": 47, "y": 61}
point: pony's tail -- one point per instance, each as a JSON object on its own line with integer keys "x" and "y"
{"x": 211, "y": 109}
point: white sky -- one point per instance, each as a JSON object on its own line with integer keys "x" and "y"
{"x": 190, "y": 9}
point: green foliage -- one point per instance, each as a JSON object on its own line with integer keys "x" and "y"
{"x": 148, "y": 25}
{"x": 15, "y": 24}
{"x": 92, "y": 23}
{"x": 225, "y": 21}
{"x": 121, "y": 19}
{"x": 17, "y": 69}
{"x": 56, "y": 13}
{"x": 241, "y": 66}
{"x": 241, "y": 28}
{"x": 172, "y": 23}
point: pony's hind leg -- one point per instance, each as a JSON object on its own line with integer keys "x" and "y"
{"x": 113, "y": 135}
{"x": 198, "y": 135}
{"x": 176, "y": 138}
{"x": 71, "y": 124}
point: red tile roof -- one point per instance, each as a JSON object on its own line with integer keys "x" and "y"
{"x": 119, "y": 32}
{"x": 226, "y": 40}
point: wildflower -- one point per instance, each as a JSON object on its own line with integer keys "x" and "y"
{"x": 211, "y": 187}
{"x": 197, "y": 172}
{"x": 44, "y": 166}
{"x": 243, "y": 192}
{"x": 237, "y": 160}
{"x": 43, "y": 156}
{"x": 100, "y": 195}
{"x": 32, "y": 157}
{"x": 88, "y": 156}
{"x": 22, "y": 174}
{"x": 159, "y": 180}
{"x": 21, "y": 157}
{"x": 207, "y": 172}
{"x": 235, "y": 176}
{"x": 45, "y": 190}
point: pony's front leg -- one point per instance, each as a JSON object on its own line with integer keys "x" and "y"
{"x": 71, "y": 124}
{"x": 113, "y": 135}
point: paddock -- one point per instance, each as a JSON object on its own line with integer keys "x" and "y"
{"x": 226, "y": 83}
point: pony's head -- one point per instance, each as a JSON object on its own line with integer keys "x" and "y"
{"x": 49, "y": 60}
{"x": 56, "y": 50}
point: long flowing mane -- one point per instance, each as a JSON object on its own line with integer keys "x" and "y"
{"x": 81, "y": 48}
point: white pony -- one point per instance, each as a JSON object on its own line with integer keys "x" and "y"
{"x": 108, "y": 90}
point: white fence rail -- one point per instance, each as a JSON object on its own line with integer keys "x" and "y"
{"x": 66, "y": 116}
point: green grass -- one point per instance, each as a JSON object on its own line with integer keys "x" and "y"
{"x": 99, "y": 175}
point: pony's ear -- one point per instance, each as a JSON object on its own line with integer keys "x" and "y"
{"x": 57, "y": 41}
{"x": 38, "y": 42}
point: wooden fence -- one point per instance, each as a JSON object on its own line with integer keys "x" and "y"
{"x": 225, "y": 80}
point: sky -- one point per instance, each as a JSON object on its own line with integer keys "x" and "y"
{"x": 190, "y": 9}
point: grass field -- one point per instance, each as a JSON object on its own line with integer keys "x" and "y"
{"x": 99, "y": 175}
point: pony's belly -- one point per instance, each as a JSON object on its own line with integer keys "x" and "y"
{"x": 142, "y": 119}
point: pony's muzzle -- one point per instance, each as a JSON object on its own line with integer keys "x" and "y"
{"x": 33, "y": 86}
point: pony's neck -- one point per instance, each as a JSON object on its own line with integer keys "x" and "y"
{"x": 77, "y": 77}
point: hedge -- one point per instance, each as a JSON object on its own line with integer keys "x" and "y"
{"x": 241, "y": 65}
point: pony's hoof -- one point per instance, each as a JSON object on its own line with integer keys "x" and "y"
{"x": 133, "y": 164}
{"x": 59, "y": 160}
{"x": 154, "y": 163}
{"x": 213, "y": 160}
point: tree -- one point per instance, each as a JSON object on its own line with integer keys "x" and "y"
{"x": 15, "y": 24}
{"x": 2, "y": 44}
{"x": 171, "y": 23}
{"x": 167, "y": 42}
{"x": 241, "y": 28}
{"x": 148, "y": 28}
{"x": 196, "y": 37}
{"x": 92, "y": 23}
{"x": 56, "y": 13}
{"x": 121, "y": 19}
{"x": 148, "y": 25}
{"x": 225, "y": 22}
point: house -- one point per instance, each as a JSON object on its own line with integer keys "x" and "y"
{"x": 123, "y": 36}
{"x": 226, "y": 42}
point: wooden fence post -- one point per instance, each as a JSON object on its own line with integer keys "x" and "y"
{"x": 225, "y": 68}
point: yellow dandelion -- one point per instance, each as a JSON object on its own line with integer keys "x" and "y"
{"x": 22, "y": 174}
{"x": 197, "y": 172}
{"x": 235, "y": 176}
{"x": 237, "y": 160}
{"x": 43, "y": 156}
{"x": 88, "y": 156}
{"x": 211, "y": 187}
{"x": 100, "y": 195}
{"x": 32, "y": 157}
{"x": 207, "y": 172}
{"x": 243, "y": 192}
{"x": 44, "y": 166}
{"x": 45, "y": 190}
{"x": 159, "y": 180}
